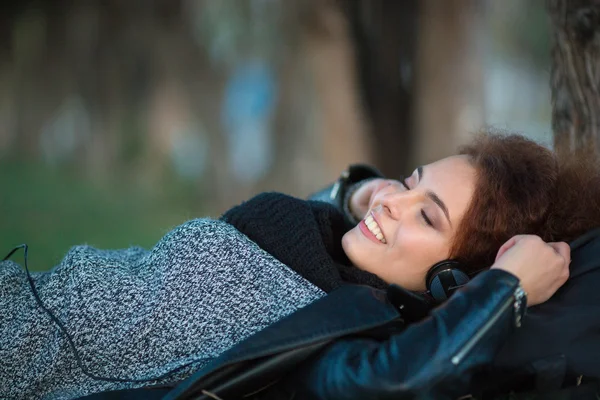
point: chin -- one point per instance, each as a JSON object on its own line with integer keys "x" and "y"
{"x": 346, "y": 240}
{"x": 350, "y": 245}
{"x": 354, "y": 249}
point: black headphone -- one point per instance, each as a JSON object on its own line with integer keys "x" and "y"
{"x": 444, "y": 278}
{"x": 448, "y": 275}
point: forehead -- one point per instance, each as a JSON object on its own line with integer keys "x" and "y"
{"x": 453, "y": 180}
{"x": 451, "y": 168}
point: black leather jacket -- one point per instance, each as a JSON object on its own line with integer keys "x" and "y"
{"x": 354, "y": 344}
{"x": 363, "y": 343}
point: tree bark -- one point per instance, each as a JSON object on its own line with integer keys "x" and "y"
{"x": 449, "y": 83}
{"x": 385, "y": 40}
{"x": 575, "y": 76}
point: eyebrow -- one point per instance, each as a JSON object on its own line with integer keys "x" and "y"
{"x": 435, "y": 198}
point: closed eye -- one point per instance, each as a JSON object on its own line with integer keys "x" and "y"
{"x": 403, "y": 182}
{"x": 423, "y": 213}
{"x": 426, "y": 218}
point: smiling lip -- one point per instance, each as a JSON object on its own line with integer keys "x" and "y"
{"x": 363, "y": 228}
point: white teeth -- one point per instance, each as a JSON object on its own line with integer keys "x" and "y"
{"x": 374, "y": 228}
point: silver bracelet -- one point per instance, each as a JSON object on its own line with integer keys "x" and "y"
{"x": 520, "y": 305}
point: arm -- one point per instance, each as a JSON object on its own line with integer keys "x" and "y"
{"x": 434, "y": 359}
{"x": 438, "y": 357}
{"x": 338, "y": 193}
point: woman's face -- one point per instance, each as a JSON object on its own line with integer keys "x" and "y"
{"x": 417, "y": 222}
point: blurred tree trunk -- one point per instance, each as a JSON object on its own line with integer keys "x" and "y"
{"x": 575, "y": 75}
{"x": 384, "y": 34}
{"x": 449, "y": 81}
{"x": 345, "y": 134}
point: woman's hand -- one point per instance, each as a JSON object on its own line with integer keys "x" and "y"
{"x": 362, "y": 199}
{"x": 541, "y": 267}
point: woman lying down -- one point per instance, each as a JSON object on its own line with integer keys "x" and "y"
{"x": 128, "y": 318}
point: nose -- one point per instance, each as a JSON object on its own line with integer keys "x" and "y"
{"x": 393, "y": 199}
{"x": 383, "y": 188}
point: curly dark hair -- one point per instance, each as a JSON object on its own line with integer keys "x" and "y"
{"x": 524, "y": 188}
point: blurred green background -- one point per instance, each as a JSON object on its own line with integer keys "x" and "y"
{"x": 122, "y": 119}
{"x": 52, "y": 209}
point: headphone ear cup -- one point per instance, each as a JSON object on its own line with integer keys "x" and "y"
{"x": 443, "y": 278}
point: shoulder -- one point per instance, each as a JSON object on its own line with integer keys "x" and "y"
{"x": 274, "y": 199}
{"x": 205, "y": 232}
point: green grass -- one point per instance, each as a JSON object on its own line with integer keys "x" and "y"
{"x": 53, "y": 209}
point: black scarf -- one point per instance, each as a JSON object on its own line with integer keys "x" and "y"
{"x": 304, "y": 235}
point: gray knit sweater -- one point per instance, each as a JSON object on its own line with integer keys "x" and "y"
{"x": 138, "y": 314}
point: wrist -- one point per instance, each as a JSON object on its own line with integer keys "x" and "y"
{"x": 519, "y": 305}
{"x": 519, "y": 298}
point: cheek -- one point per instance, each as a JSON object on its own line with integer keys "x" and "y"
{"x": 405, "y": 262}
{"x": 412, "y": 255}
{"x": 408, "y": 267}
{"x": 362, "y": 253}
{"x": 420, "y": 244}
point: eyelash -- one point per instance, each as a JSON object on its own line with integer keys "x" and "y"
{"x": 426, "y": 218}
{"x": 423, "y": 214}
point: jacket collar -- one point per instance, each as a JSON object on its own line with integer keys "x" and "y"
{"x": 345, "y": 311}
{"x": 413, "y": 306}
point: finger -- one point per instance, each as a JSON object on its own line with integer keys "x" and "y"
{"x": 562, "y": 249}
{"x": 511, "y": 243}
{"x": 505, "y": 247}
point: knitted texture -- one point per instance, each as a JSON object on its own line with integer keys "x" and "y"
{"x": 138, "y": 314}
{"x": 304, "y": 235}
